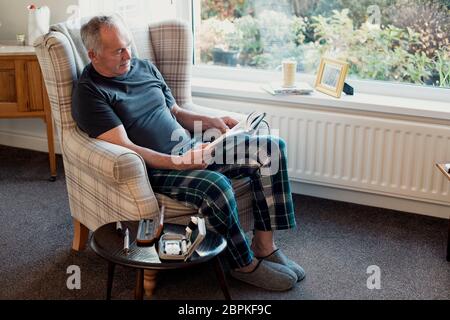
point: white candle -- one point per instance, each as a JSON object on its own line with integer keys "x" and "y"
{"x": 126, "y": 241}
{"x": 289, "y": 70}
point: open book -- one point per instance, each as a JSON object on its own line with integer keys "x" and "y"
{"x": 247, "y": 126}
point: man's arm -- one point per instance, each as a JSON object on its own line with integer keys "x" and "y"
{"x": 187, "y": 118}
{"x": 155, "y": 159}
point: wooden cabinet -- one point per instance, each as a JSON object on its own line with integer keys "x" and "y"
{"x": 23, "y": 93}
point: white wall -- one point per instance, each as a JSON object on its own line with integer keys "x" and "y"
{"x": 13, "y": 15}
{"x": 26, "y": 133}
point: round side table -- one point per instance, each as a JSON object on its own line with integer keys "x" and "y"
{"x": 107, "y": 242}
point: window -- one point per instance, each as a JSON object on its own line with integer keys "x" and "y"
{"x": 135, "y": 12}
{"x": 403, "y": 41}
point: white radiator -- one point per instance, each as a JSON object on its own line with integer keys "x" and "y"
{"x": 390, "y": 157}
{"x": 356, "y": 152}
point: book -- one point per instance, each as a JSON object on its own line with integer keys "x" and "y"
{"x": 276, "y": 88}
{"x": 248, "y": 126}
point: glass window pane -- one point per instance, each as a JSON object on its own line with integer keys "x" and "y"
{"x": 390, "y": 40}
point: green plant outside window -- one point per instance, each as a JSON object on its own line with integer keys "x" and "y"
{"x": 389, "y": 40}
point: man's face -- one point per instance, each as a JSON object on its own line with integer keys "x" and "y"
{"x": 114, "y": 57}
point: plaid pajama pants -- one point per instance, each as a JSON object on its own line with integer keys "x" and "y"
{"x": 211, "y": 191}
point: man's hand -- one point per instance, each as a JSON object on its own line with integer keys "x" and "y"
{"x": 223, "y": 124}
{"x": 194, "y": 159}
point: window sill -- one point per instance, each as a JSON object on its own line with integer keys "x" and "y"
{"x": 252, "y": 92}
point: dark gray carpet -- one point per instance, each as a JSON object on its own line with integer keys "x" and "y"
{"x": 335, "y": 242}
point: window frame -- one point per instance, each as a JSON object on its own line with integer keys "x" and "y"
{"x": 376, "y": 87}
{"x": 382, "y": 88}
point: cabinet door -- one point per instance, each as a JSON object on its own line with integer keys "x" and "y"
{"x": 13, "y": 93}
{"x": 21, "y": 87}
{"x": 35, "y": 86}
{"x": 7, "y": 82}
{"x": 23, "y": 104}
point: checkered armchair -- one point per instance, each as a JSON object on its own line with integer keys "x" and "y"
{"x": 106, "y": 182}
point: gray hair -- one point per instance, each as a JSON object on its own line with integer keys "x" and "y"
{"x": 90, "y": 32}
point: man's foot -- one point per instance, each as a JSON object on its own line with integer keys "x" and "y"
{"x": 268, "y": 275}
{"x": 279, "y": 257}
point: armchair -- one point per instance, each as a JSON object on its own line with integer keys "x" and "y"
{"x": 106, "y": 182}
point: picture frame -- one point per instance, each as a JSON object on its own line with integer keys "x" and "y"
{"x": 331, "y": 76}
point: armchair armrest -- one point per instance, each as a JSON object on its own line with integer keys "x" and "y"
{"x": 104, "y": 160}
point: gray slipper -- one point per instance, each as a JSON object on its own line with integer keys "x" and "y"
{"x": 279, "y": 257}
{"x": 269, "y": 276}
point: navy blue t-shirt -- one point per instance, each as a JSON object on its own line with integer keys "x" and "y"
{"x": 140, "y": 100}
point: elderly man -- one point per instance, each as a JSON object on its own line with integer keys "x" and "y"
{"x": 125, "y": 101}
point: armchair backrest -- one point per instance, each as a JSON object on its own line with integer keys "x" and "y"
{"x": 172, "y": 46}
{"x": 62, "y": 58}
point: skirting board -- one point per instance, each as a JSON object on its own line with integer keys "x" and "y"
{"x": 373, "y": 200}
{"x": 27, "y": 141}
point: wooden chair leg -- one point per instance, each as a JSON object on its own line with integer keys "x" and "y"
{"x": 51, "y": 144}
{"x": 80, "y": 236}
{"x": 150, "y": 282}
{"x": 139, "y": 291}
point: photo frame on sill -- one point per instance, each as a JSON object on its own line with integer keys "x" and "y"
{"x": 331, "y": 77}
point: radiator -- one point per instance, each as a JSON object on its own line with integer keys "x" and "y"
{"x": 357, "y": 152}
{"x": 385, "y": 156}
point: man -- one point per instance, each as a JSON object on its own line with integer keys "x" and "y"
{"x": 126, "y": 101}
